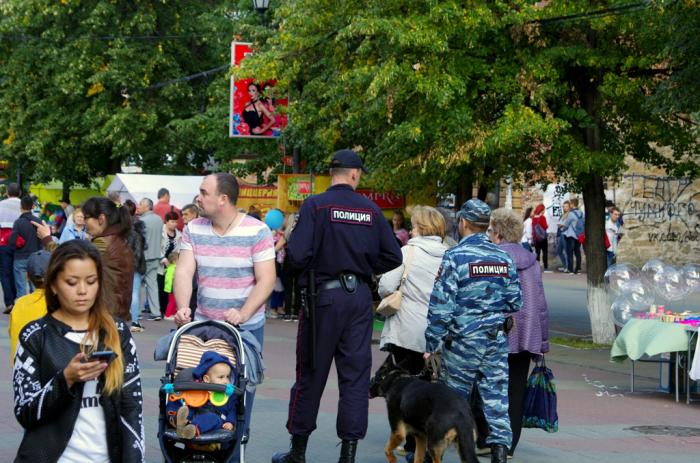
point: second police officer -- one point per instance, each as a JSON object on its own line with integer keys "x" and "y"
{"x": 476, "y": 289}
{"x": 342, "y": 238}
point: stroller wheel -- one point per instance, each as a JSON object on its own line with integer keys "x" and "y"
{"x": 198, "y": 458}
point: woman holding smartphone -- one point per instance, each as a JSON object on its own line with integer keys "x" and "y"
{"x": 74, "y": 406}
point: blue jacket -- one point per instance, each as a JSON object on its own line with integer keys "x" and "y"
{"x": 476, "y": 287}
{"x": 70, "y": 233}
{"x": 341, "y": 231}
{"x": 575, "y": 224}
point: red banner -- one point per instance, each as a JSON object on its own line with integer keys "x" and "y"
{"x": 389, "y": 200}
{"x": 255, "y": 110}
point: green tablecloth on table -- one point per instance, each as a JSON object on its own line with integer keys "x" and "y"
{"x": 651, "y": 337}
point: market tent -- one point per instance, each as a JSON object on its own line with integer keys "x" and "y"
{"x": 53, "y": 191}
{"x": 183, "y": 188}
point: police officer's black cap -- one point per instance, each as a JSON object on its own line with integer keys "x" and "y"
{"x": 347, "y": 159}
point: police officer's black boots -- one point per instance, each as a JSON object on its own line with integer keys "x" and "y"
{"x": 499, "y": 453}
{"x": 297, "y": 451}
{"x": 347, "y": 451}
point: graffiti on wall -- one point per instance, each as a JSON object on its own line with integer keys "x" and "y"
{"x": 667, "y": 209}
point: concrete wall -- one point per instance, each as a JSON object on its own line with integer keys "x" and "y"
{"x": 661, "y": 214}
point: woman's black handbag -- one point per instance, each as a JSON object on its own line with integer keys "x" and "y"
{"x": 540, "y": 408}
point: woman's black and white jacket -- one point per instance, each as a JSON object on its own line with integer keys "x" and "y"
{"x": 48, "y": 409}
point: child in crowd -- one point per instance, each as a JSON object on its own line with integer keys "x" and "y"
{"x": 168, "y": 286}
{"x": 213, "y": 368}
{"x": 32, "y": 306}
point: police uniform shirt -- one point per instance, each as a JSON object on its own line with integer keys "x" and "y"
{"x": 341, "y": 231}
{"x": 476, "y": 287}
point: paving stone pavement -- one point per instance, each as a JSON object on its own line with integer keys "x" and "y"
{"x": 595, "y": 409}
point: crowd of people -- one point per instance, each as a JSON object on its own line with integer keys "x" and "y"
{"x": 77, "y": 287}
{"x": 570, "y": 235}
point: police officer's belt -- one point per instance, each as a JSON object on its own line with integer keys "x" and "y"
{"x": 348, "y": 281}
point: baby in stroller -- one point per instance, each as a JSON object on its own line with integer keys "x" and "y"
{"x": 218, "y": 413}
{"x": 202, "y": 397}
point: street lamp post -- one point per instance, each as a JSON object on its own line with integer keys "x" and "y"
{"x": 261, "y": 6}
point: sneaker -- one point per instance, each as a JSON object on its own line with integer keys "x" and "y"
{"x": 184, "y": 429}
{"x": 8, "y": 309}
{"x": 547, "y": 271}
{"x": 136, "y": 327}
{"x": 155, "y": 318}
{"x": 562, "y": 269}
{"x": 485, "y": 451}
{"x": 172, "y": 317}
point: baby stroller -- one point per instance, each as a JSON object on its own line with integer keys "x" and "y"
{"x": 186, "y": 348}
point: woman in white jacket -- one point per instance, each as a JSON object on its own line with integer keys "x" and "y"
{"x": 404, "y": 333}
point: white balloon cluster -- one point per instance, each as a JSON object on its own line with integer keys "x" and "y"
{"x": 636, "y": 290}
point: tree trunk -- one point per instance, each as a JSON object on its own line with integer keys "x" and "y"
{"x": 596, "y": 261}
{"x": 602, "y": 325}
{"x": 465, "y": 188}
{"x": 65, "y": 195}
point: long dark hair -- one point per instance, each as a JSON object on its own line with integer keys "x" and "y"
{"x": 116, "y": 215}
{"x": 99, "y": 321}
{"x": 527, "y": 214}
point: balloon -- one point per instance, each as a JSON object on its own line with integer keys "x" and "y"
{"x": 651, "y": 268}
{"x": 618, "y": 277}
{"x": 691, "y": 273}
{"x": 669, "y": 284}
{"x": 274, "y": 219}
{"x": 622, "y": 310}
{"x": 640, "y": 294}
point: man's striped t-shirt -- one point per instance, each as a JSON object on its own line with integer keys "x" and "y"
{"x": 225, "y": 270}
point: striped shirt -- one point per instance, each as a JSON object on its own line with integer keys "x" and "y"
{"x": 225, "y": 271}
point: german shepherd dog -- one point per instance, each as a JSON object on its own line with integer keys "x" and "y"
{"x": 434, "y": 414}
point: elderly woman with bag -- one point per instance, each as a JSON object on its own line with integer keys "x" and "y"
{"x": 530, "y": 336}
{"x": 404, "y": 331}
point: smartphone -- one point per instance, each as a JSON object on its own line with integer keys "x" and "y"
{"x": 103, "y": 356}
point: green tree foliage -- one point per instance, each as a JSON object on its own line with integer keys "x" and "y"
{"x": 432, "y": 89}
{"x": 86, "y": 85}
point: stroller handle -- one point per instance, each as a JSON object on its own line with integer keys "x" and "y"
{"x": 197, "y": 386}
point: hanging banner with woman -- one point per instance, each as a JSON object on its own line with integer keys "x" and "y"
{"x": 255, "y": 110}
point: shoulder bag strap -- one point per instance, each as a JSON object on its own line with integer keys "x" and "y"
{"x": 406, "y": 267}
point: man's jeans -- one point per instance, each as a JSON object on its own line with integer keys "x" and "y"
{"x": 150, "y": 279}
{"x": 611, "y": 258}
{"x": 19, "y": 269}
{"x": 7, "y": 278}
{"x": 135, "y": 297}
{"x": 561, "y": 251}
{"x": 250, "y": 396}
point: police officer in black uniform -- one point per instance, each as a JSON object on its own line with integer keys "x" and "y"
{"x": 343, "y": 239}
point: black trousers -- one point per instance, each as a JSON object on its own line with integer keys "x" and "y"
{"x": 573, "y": 248}
{"x": 162, "y": 295}
{"x": 518, "y": 370}
{"x": 541, "y": 247}
{"x": 292, "y": 296}
{"x": 344, "y": 335}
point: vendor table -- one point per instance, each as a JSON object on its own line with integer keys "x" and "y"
{"x": 653, "y": 337}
